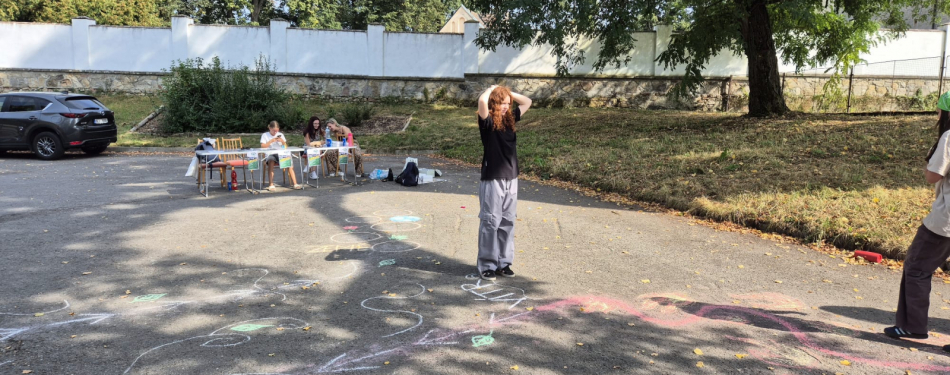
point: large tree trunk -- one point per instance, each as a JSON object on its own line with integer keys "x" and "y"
{"x": 765, "y": 88}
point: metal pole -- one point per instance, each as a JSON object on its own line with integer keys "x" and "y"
{"x": 850, "y": 84}
{"x": 943, "y": 67}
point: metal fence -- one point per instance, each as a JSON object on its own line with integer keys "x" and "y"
{"x": 898, "y": 71}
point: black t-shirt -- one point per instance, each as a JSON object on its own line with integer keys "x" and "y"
{"x": 500, "y": 158}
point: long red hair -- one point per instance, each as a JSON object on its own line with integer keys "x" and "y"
{"x": 502, "y": 121}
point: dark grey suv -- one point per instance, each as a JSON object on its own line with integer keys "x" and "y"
{"x": 49, "y": 123}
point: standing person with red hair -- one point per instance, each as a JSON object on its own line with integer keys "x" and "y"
{"x": 498, "y": 189}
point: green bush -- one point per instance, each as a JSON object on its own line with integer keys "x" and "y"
{"x": 354, "y": 114}
{"x": 212, "y": 99}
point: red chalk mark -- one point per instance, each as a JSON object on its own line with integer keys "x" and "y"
{"x": 463, "y": 206}
{"x": 350, "y": 228}
{"x": 869, "y": 256}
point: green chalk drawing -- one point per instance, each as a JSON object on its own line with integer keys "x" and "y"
{"x": 387, "y": 262}
{"x": 483, "y": 340}
{"x": 398, "y": 238}
{"x": 148, "y": 297}
{"x": 249, "y": 327}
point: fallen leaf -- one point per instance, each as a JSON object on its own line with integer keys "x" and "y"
{"x": 529, "y": 308}
{"x": 645, "y": 281}
{"x": 778, "y": 281}
{"x": 845, "y": 362}
{"x": 515, "y": 367}
{"x": 741, "y": 356}
{"x": 580, "y": 344}
{"x": 700, "y": 364}
{"x": 270, "y": 355}
{"x": 39, "y": 314}
{"x": 430, "y": 290}
{"x": 87, "y": 273}
{"x": 27, "y": 371}
{"x": 698, "y": 351}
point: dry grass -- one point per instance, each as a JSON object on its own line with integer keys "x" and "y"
{"x": 855, "y": 182}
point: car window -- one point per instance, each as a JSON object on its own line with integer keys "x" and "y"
{"x": 2, "y": 99}
{"x": 41, "y": 103}
{"x": 88, "y": 103}
{"x": 24, "y": 104}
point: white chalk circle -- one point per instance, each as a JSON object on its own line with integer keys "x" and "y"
{"x": 396, "y": 227}
{"x": 404, "y": 219}
{"x": 396, "y": 246}
{"x": 392, "y": 212}
{"x": 364, "y": 219}
{"x": 355, "y": 237}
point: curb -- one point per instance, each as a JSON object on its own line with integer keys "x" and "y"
{"x": 189, "y": 149}
{"x": 150, "y": 149}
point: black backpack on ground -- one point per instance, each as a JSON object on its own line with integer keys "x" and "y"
{"x": 409, "y": 176}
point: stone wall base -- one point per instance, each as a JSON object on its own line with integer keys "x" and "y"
{"x": 716, "y": 94}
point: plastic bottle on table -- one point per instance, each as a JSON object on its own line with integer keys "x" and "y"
{"x": 328, "y": 136}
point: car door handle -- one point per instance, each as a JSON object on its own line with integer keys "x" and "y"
{"x": 32, "y": 117}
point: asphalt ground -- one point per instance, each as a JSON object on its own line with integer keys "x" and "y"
{"x": 116, "y": 265}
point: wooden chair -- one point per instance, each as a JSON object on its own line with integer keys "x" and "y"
{"x": 232, "y": 161}
{"x": 203, "y": 167}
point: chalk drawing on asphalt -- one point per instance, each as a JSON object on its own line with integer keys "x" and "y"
{"x": 147, "y": 298}
{"x": 355, "y": 237}
{"x": 418, "y": 317}
{"x": 396, "y": 227}
{"x": 395, "y": 246}
{"x": 215, "y": 339}
{"x": 496, "y": 293}
{"x": 364, "y": 219}
{"x": 65, "y": 306}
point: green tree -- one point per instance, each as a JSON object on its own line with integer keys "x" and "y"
{"x": 314, "y": 14}
{"x": 395, "y": 15}
{"x": 807, "y": 32}
{"x": 105, "y": 12}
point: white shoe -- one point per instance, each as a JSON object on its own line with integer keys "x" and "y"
{"x": 313, "y": 175}
{"x": 359, "y": 175}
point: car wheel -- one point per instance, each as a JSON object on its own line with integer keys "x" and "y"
{"x": 47, "y": 146}
{"x": 94, "y": 150}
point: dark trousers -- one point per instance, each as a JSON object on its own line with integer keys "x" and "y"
{"x": 927, "y": 252}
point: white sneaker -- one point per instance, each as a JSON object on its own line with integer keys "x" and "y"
{"x": 359, "y": 175}
{"x": 313, "y": 175}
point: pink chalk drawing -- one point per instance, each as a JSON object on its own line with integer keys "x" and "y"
{"x": 672, "y": 310}
{"x": 351, "y": 227}
{"x": 698, "y": 316}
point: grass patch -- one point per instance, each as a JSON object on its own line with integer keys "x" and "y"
{"x": 855, "y": 182}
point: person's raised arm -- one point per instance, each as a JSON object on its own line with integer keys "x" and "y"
{"x": 524, "y": 102}
{"x": 483, "y": 103}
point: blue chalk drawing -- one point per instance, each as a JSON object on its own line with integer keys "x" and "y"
{"x": 404, "y": 219}
{"x": 387, "y": 262}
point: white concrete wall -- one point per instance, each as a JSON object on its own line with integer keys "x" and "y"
{"x": 422, "y": 55}
{"x": 234, "y": 45}
{"x": 326, "y": 52}
{"x": 138, "y": 49}
{"x": 35, "y": 45}
{"x": 538, "y": 60}
{"x": 86, "y": 46}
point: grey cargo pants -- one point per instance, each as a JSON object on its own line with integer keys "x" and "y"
{"x": 498, "y": 203}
